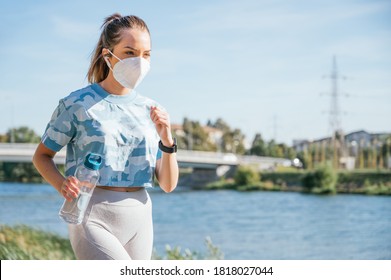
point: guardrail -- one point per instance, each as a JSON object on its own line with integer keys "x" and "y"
{"x": 21, "y": 152}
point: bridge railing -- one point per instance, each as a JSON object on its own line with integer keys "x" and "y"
{"x": 207, "y": 157}
{"x": 23, "y": 152}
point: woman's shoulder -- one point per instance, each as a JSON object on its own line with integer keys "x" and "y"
{"x": 80, "y": 95}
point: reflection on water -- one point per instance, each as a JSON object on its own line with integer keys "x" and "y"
{"x": 244, "y": 225}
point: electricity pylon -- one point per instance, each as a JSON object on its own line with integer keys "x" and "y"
{"x": 335, "y": 126}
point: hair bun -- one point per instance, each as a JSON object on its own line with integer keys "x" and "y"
{"x": 109, "y": 19}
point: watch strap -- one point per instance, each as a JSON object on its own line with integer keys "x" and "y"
{"x": 169, "y": 150}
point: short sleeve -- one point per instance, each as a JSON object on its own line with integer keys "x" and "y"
{"x": 159, "y": 154}
{"x": 60, "y": 129}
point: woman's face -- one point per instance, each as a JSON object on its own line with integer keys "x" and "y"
{"x": 134, "y": 43}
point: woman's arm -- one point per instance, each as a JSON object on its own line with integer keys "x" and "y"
{"x": 43, "y": 162}
{"x": 167, "y": 171}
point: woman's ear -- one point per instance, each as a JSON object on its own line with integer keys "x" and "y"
{"x": 106, "y": 54}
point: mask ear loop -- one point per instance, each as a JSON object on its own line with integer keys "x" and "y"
{"x": 107, "y": 60}
{"x": 115, "y": 56}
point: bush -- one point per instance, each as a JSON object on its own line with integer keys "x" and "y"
{"x": 222, "y": 184}
{"x": 213, "y": 253}
{"x": 246, "y": 175}
{"x": 25, "y": 243}
{"x": 322, "y": 180}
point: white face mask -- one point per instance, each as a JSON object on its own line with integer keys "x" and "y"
{"x": 129, "y": 72}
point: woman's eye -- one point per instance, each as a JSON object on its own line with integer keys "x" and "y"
{"x": 130, "y": 53}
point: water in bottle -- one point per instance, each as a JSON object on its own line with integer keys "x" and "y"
{"x": 88, "y": 175}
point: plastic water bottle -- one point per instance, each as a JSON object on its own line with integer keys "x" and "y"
{"x": 88, "y": 175}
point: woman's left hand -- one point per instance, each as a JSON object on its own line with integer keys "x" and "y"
{"x": 161, "y": 119}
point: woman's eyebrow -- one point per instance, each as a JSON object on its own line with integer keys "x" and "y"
{"x": 134, "y": 49}
{"x": 128, "y": 47}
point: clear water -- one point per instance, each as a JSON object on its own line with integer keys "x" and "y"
{"x": 244, "y": 225}
{"x": 73, "y": 211}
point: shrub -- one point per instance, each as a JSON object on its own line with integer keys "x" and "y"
{"x": 322, "y": 180}
{"x": 245, "y": 175}
{"x": 26, "y": 243}
{"x": 213, "y": 253}
{"x": 222, "y": 184}
{"x": 23, "y": 242}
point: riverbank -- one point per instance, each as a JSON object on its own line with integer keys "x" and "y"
{"x": 367, "y": 182}
{"x": 22, "y": 242}
{"x": 356, "y": 182}
{"x": 244, "y": 225}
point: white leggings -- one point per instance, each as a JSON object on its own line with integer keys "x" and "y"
{"x": 116, "y": 226}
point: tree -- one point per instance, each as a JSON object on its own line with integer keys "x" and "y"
{"x": 232, "y": 139}
{"x": 22, "y": 134}
{"x": 220, "y": 124}
{"x": 270, "y": 149}
{"x": 386, "y": 152}
{"x": 196, "y": 138}
{"x": 258, "y": 146}
{"x": 19, "y": 171}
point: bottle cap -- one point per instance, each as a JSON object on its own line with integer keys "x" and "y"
{"x": 93, "y": 161}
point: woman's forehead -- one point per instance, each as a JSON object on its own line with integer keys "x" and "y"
{"x": 135, "y": 38}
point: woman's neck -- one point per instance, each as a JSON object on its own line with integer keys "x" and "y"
{"x": 112, "y": 86}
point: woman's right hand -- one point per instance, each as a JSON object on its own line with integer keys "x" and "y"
{"x": 70, "y": 188}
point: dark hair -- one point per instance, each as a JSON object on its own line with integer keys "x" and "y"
{"x": 110, "y": 36}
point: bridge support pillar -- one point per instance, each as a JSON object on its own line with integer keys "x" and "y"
{"x": 200, "y": 177}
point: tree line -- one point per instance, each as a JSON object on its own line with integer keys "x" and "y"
{"x": 19, "y": 171}
{"x": 216, "y": 136}
{"x": 194, "y": 136}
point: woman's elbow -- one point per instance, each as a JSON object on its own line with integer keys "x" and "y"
{"x": 35, "y": 159}
{"x": 167, "y": 188}
{"x": 42, "y": 154}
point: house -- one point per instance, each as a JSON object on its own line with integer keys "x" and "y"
{"x": 361, "y": 138}
{"x": 215, "y": 135}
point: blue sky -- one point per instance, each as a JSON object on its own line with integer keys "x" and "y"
{"x": 259, "y": 65}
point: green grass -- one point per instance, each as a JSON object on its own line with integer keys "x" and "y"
{"x": 22, "y": 242}
{"x": 213, "y": 253}
{"x": 25, "y": 243}
{"x": 367, "y": 182}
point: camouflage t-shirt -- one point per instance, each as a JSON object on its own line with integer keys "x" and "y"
{"x": 118, "y": 127}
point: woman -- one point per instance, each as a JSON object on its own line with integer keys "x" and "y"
{"x": 130, "y": 131}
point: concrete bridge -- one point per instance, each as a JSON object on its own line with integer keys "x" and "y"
{"x": 203, "y": 167}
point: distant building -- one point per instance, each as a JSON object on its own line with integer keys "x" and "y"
{"x": 301, "y": 145}
{"x": 349, "y": 147}
{"x": 359, "y": 138}
{"x": 215, "y": 135}
{"x": 178, "y": 129}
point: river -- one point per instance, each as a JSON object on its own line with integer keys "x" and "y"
{"x": 244, "y": 225}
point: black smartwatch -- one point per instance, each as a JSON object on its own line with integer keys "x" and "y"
{"x": 166, "y": 149}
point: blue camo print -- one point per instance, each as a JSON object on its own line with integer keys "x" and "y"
{"x": 119, "y": 128}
